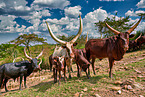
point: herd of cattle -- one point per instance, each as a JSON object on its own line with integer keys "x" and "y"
{"x": 112, "y": 48}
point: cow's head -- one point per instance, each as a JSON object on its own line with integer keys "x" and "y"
{"x": 34, "y": 60}
{"x": 124, "y": 37}
{"x": 70, "y": 44}
{"x": 59, "y": 61}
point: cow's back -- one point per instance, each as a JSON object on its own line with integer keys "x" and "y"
{"x": 96, "y": 48}
{"x": 13, "y": 70}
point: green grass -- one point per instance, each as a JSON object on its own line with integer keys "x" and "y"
{"x": 101, "y": 81}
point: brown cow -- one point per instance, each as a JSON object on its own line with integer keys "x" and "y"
{"x": 141, "y": 41}
{"x": 50, "y": 62}
{"x": 81, "y": 61}
{"x": 112, "y": 48}
{"x": 133, "y": 43}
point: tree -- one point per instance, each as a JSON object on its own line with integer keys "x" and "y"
{"x": 81, "y": 40}
{"x": 26, "y": 39}
{"x": 120, "y": 24}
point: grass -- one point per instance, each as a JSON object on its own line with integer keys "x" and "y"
{"x": 98, "y": 84}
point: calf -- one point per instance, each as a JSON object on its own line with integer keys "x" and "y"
{"x": 81, "y": 61}
{"x": 18, "y": 69}
{"x": 58, "y": 65}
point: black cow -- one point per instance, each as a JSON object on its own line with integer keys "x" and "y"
{"x": 18, "y": 69}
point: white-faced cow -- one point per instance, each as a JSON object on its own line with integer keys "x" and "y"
{"x": 113, "y": 48}
{"x": 66, "y": 50}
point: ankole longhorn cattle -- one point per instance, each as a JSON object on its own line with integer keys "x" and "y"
{"x": 112, "y": 48}
{"x": 81, "y": 61}
{"x": 67, "y": 47}
{"x": 18, "y": 69}
{"x": 133, "y": 43}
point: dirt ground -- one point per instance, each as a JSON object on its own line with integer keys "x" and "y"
{"x": 136, "y": 77}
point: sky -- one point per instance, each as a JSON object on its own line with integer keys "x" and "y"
{"x": 19, "y": 17}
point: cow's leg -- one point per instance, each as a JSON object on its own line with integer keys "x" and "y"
{"x": 54, "y": 75}
{"x": 5, "y": 82}
{"x": 59, "y": 76}
{"x": 87, "y": 75}
{"x": 78, "y": 74}
{"x": 65, "y": 70}
{"x": 93, "y": 65}
{"x": 25, "y": 82}
{"x": 1, "y": 82}
{"x": 21, "y": 77}
{"x": 80, "y": 71}
{"x": 111, "y": 63}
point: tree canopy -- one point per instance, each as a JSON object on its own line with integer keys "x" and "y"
{"x": 120, "y": 24}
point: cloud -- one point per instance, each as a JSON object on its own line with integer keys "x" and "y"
{"x": 7, "y": 24}
{"x": 132, "y": 13}
{"x": 141, "y": 4}
{"x": 52, "y": 4}
{"x": 14, "y": 7}
{"x": 72, "y": 12}
{"x": 91, "y": 18}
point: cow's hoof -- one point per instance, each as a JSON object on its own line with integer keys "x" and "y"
{"x": 70, "y": 77}
{"x": 20, "y": 89}
{"x": 7, "y": 90}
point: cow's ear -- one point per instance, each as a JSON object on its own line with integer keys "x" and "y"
{"x": 63, "y": 46}
{"x": 131, "y": 36}
{"x": 75, "y": 44}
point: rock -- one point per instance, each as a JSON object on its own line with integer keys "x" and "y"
{"x": 138, "y": 85}
{"x": 97, "y": 95}
{"x": 118, "y": 82}
{"x": 77, "y": 94}
{"x": 81, "y": 95}
{"x": 134, "y": 77}
{"x": 141, "y": 76}
{"x": 129, "y": 87}
{"x": 85, "y": 89}
{"x": 119, "y": 91}
{"x": 97, "y": 67}
{"x": 138, "y": 72}
{"x": 125, "y": 87}
{"x": 126, "y": 68}
{"x": 141, "y": 96}
{"x": 82, "y": 92}
{"x": 115, "y": 88}
{"x": 94, "y": 89}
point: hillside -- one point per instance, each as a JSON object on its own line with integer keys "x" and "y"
{"x": 129, "y": 77}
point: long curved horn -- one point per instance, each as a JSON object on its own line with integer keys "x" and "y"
{"x": 18, "y": 58}
{"x": 131, "y": 29}
{"x": 138, "y": 37}
{"x": 53, "y": 36}
{"x": 40, "y": 53}
{"x": 40, "y": 62}
{"x": 26, "y": 54}
{"x": 87, "y": 37}
{"x": 79, "y": 32}
{"x": 113, "y": 30}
